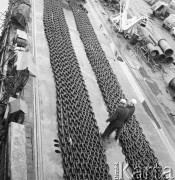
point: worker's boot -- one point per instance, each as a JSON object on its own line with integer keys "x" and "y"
{"x": 116, "y": 137}
{"x": 102, "y": 137}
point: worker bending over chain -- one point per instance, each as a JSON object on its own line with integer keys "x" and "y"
{"x": 121, "y": 116}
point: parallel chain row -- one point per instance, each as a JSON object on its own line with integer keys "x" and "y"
{"x": 134, "y": 145}
{"x": 82, "y": 151}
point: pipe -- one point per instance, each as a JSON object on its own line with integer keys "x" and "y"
{"x": 161, "y": 56}
{"x": 153, "y": 51}
{"x": 169, "y": 59}
{"x": 153, "y": 39}
{"x": 158, "y": 40}
{"x": 165, "y": 47}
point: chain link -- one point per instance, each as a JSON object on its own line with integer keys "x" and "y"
{"x": 82, "y": 151}
{"x": 134, "y": 145}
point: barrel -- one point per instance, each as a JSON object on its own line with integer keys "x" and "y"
{"x": 161, "y": 56}
{"x": 153, "y": 51}
{"x": 169, "y": 59}
{"x": 165, "y": 47}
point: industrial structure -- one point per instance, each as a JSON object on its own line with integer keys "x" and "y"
{"x": 58, "y": 85}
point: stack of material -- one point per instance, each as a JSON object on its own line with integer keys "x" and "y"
{"x": 158, "y": 47}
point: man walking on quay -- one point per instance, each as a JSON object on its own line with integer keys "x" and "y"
{"x": 120, "y": 117}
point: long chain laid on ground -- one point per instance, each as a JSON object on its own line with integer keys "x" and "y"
{"x": 134, "y": 145}
{"x": 82, "y": 151}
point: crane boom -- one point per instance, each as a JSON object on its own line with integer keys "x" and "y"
{"x": 121, "y": 20}
{"x": 124, "y": 5}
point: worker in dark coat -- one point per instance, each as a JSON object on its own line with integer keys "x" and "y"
{"x": 113, "y": 124}
{"x": 131, "y": 107}
{"x": 120, "y": 117}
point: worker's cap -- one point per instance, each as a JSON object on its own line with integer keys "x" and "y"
{"x": 123, "y": 101}
{"x": 133, "y": 101}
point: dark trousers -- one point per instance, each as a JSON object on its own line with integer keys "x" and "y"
{"x": 117, "y": 132}
{"x": 108, "y": 131}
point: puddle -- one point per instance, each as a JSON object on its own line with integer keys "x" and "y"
{"x": 144, "y": 73}
{"x": 154, "y": 87}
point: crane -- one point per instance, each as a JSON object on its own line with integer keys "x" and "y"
{"x": 126, "y": 25}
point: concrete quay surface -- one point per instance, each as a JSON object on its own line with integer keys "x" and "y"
{"x": 17, "y": 152}
{"x": 49, "y": 164}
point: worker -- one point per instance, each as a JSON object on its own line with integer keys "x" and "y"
{"x": 120, "y": 117}
{"x": 112, "y": 126}
{"x": 131, "y": 107}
